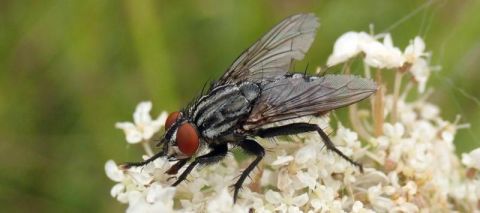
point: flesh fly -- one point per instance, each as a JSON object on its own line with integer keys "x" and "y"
{"x": 258, "y": 90}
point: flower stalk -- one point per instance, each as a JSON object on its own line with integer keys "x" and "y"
{"x": 396, "y": 94}
{"x": 147, "y": 148}
{"x": 378, "y": 105}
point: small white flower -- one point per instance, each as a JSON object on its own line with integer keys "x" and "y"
{"x": 379, "y": 202}
{"x": 323, "y": 198}
{"x": 382, "y": 55}
{"x": 158, "y": 193}
{"x": 273, "y": 197}
{"x": 421, "y": 72}
{"x": 141, "y": 175}
{"x": 347, "y": 46}
{"x": 377, "y": 54}
{"x": 414, "y": 50}
{"x": 349, "y": 140}
{"x": 370, "y": 178}
{"x": 416, "y": 56}
{"x": 472, "y": 159}
{"x": 395, "y": 131}
{"x": 307, "y": 179}
{"x": 306, "y": 154}
{"x": 138, "y": 204}
{"x": 429, "y": 111}
{"x": 143, "y": 127}
{"x": 359, "y": 208}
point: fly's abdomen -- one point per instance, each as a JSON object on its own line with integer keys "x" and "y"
{"x": 219, "y": 112}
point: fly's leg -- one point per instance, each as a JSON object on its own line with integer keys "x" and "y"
{"x": 296, "y": 128}
{"x": 145, "y": 162}
{"x": 217, "y": 153}
{"x": 177, "y": 166}
{"x": 253, "y": 148}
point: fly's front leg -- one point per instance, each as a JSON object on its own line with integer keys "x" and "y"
{"x": 253, "y": 148}
{"x": 296, "y": 128}
{"x": 177, "y": 166}
{"x": 217, "y": 153}
{"x": 145, "y": 162}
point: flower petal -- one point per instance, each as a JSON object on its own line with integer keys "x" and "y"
{"x": 113, "y": 172}
{"x": 420, "y": 71}
{"x": 414, "y": 50}
{"x": 117, "y": 189}
{"x": 273, "y": 197}
{"x": 472, "y": 159}
{"x": 142, "y": 113}
{"x": 345, "y": 48}
{"x": 131, "y": 132}
{"x": 384, "y": 55}
{"x": 300, "y": 200}
{"x": 282, "y": 160}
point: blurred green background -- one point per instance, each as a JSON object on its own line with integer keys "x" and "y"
{"x": 70, "y": 69}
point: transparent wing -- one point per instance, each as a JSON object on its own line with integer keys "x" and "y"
{"x": 300, "y": 96}
{"x": 272, "y": 55}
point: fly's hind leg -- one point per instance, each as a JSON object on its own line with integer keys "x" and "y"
{"x": 296, "y": 128}
{"x": 253, "y": 148}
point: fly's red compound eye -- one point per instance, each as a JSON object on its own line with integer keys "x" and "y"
{"x": 187, "y": 139}
{"x": 171, "y": 119}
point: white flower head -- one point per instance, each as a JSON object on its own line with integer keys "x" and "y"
{"x": 411, "y": 166}
{"x": 143, "y": 127}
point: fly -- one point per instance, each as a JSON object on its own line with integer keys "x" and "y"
{"x": 255, "y": 91}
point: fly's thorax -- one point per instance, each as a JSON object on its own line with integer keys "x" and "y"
{"x": 220, "y": 111}
{"x": 249, "y": 90}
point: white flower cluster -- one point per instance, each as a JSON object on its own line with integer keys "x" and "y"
{"x": 384, "y": 55}
{"x": 410, "y": 167}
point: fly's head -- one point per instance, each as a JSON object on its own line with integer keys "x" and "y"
{"x": 181, "y": 139}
